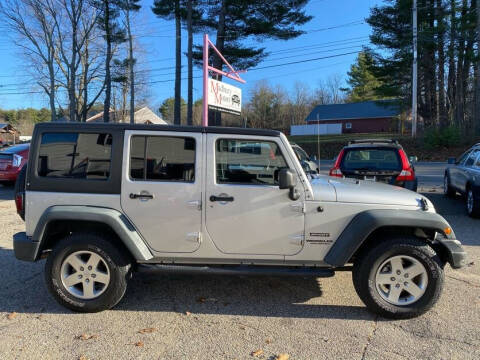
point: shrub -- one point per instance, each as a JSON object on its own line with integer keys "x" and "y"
{"x": 441, "y": 138}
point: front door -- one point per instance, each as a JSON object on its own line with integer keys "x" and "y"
{"x": 162, "y": 188}
{"x": 246, "y": 212}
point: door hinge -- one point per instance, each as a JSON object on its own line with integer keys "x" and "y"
{"x": 297, "y": 240}
{"x": 195, "y": 203}
{"x": 300, "y": 207}
{"x": 195, "y": 237}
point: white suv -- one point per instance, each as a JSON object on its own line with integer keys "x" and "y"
{"x": 101, "y": 200}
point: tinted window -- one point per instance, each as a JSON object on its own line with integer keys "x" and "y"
{"x": 301, "y": 154}
{"x": 471, "y": 159}
{"x": 162, "y": 158}
{"x": 371, "y": 159}
{"x": 75, "y": 155}
{"x": 463, "y": 157}
{"x": 248, "y": 162}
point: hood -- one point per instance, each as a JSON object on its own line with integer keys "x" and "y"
{"x": 365, "y": 192}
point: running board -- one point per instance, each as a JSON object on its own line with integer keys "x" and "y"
{"x": 239, "y": 270}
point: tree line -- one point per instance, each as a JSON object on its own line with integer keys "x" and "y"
{"x": 81, "y": 52}
{"x": 25, "y": 119}
{"x": 448, "y": 61}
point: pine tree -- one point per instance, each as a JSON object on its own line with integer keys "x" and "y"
{"x": 236, "y": 21}
{"x": 362, "y": 80}
{"x": 129, "y": 6}
{"x": 113, "y": 33}
{"x": 171, "y": 9}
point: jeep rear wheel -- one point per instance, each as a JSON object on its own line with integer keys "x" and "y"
{"x": 399, "y": 278}
{"x": 86, "y": 273}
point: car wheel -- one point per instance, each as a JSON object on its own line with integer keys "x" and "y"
{"x": 473, "y": 205}
{"x": 86, "y": 273}
{"x": 400, "y": 278}
{"x": 447, "y": 188}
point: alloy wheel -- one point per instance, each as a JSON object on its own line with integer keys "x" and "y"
{"x": 85, "y": 275}
{"x": 401, "y": 280}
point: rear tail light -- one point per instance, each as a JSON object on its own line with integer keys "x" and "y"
{"x": 335, "y": 170}
{"x": 19, "y": 197}
{"x": 407, "y": 173}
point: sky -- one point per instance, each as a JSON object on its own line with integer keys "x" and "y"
{"x": 338, "y": 28}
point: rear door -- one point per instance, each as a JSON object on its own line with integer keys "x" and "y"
{"x": 465, "y": 171}
{"x": 162, "y": 188}
{"x": 246, "y": 212}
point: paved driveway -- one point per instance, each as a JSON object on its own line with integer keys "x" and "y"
{"x": 212, "y": 317}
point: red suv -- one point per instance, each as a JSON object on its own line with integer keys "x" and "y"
{"x": 12, "y": 160}
{"x": 376, "y": 160}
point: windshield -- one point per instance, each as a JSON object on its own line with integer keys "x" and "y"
{"x": 301, "y": 154}
{"x": 371, "y": 159}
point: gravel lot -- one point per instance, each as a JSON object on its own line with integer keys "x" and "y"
{"x": 212, "y": 317}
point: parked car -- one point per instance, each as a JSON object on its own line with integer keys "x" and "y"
{"x": 464, "y": 177}
{"x": 376, "y": 160}
{"x": 309, "y": 163}
{"x": 12, "y": 160}
{"x": 104, "y": 199}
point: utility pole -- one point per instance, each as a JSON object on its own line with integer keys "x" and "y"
{"x": 476, "y": 119}
{"x": 414, "y": 75}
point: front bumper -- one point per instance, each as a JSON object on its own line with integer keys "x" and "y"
{"x": 25, "y": 248}
{"x": 453, "y": 251}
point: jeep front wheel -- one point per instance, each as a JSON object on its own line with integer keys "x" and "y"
{"x": 86, "y": 273}
{"x": 399, "y": 278}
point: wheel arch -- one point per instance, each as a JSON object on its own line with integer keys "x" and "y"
{"x": 60, "y": 221}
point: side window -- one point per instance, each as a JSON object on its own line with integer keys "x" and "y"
{"x": 471, "y": 159}
{"x": 248, "y": 162}
{"x": 162, "y": 158}
{"x": 75, "y": 155}
{"x": 477, "y": 162}
{"x": 462, "y": 158}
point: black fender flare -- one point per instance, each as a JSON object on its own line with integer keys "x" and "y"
{"x": 366, "y": 222}
{"x": 118, "y": 222}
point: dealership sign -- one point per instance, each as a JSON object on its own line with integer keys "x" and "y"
{"x": 224, "y": 97}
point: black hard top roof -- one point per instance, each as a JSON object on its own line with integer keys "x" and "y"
{"x": 195, "y": 129}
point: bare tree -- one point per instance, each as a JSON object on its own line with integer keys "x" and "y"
{"x": 35, "y": 34}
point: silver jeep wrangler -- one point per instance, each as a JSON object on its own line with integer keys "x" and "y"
{"x": 103, "y": 200}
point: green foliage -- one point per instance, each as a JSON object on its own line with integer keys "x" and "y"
{"x": 441, "y": 138}
{"x": 253, "y": 19}
{"x": 362, "y": 79}
{"x": 167, "y": 109}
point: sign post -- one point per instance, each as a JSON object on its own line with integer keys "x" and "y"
{"x": 224, "y": 97}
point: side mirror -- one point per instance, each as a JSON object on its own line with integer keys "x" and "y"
{"x": 287, "y": 180}
{"x": 313, "y": 158}
{"x": 413, "y": 159}
{"x": 451, "y": 160}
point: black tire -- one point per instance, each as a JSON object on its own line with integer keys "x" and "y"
{"x": 20, "y": 189}
{"x": 118, "y": 266}
{"x": 474, "y": 209}
{"x": 367, "y": 264}
{"x": 448, "y": 190}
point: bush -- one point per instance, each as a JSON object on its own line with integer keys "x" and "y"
{"x": 441, "y": 138}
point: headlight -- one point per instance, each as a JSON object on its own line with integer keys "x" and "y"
{"x": 17, "y": 160}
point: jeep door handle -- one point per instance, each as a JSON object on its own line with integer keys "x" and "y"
{"x": 141, "y": 196}
{"x": 221, "y": 198}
